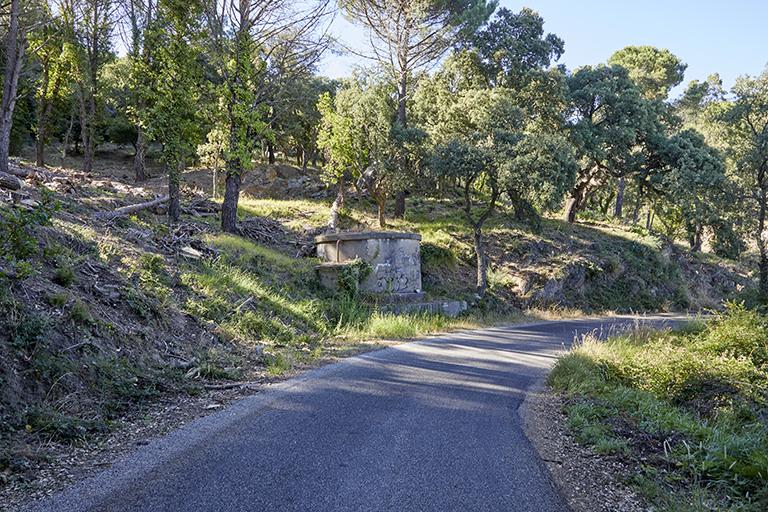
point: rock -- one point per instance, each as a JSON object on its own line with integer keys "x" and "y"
{"x": 287, "y": 172}
{"x": 551, "y": 293}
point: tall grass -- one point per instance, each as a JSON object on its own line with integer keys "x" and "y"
{"x": 689, "y": 406}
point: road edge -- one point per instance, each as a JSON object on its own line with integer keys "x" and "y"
{"x": 586, "y": 480}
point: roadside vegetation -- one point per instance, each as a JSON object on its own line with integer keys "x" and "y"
{"x": 199, "y": 152}
{"x": 688, "y": 408}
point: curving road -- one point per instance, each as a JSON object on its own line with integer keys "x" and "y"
{"x": 424, "y": 426}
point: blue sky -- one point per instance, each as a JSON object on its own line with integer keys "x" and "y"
{"x": 730, "y": 38}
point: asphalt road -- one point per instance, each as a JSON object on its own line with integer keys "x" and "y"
{"x": 424, "y": 426}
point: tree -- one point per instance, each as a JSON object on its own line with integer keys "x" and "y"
{"x": 475, "y": 141}
{"x": 744, "y": 125}
{"x": 409, "y": 35}
{"x": 605, "y": 111}
{"x": 171, "y": 115}
{"x": 15, "y": 46}
{"x": 655, "y": 71}
{"x": 360, "y": 141}
{"x": 91, "y": 31}
{"x": 512, "y": 48}
{"x": 139, "y": 16}
{"x": 250, "y": 44}
{"x": 693, "y": 187}
{"x": 54, "y": 53}
{"x": 542, "y": 169}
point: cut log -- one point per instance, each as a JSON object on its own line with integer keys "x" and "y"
{"x": 17, "y": 171}
{"x": 9, "y": 182}
{"x": 127, "y": 210}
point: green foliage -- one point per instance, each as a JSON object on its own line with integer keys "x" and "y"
{"x": 436, "y": 256}
{"x": 215, "y": 364}
{"x": 513, "y": 48}
{"x": 694, "y": 185}
{"x": 62, "y": 427}
{"x": 542, "y": 168}
{"x": 80, "y": 313}
{"x": 355, "y": 125}
{"x": 351, "y": 275}
{"x": 58, "y": 299}
{"x": 654, "y": 70}
{"x": 726, "y": 241}
{"x": 64, "y": 275}
{"x": 17, "y": 227}
{"x": 153, "y": 278}
{"x": 29, "y": 330}
{"x": 701, "y": 391}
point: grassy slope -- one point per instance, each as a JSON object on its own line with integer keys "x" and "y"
{"x": 110, "y": 316}
{"x": 688, "y": 408}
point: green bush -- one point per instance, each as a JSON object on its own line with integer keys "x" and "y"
{"x": 64, "y": 276}
{"x": 80, "y": 313}
{"x": 702, "y": 391}
{"x": 58, "y": 299}
{"x": 351, "y": 274}
{"x": 437, "y": 256}
{"x": 17, "y": 225}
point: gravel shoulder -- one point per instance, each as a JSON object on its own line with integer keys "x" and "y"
{"x": 588, "y": 481}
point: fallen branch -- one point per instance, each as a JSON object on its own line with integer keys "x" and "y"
{"x": 127, "y": 210}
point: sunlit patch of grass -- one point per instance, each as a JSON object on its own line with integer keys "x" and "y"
{"x": 246, "y": 253}
{"x": 294, "y": 213}
{"x": 701, "y": 393}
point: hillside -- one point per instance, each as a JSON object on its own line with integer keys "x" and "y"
{"x": 101, "y": 318}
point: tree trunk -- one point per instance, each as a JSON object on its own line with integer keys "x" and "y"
{"x": 174, "y": 200}
{"x": 402, "y": 97}
{"x": 338, "y": 204}
{"x": 14, "y": 54}
{"x": 231, "y": 198}
{"x": 575, "y": 200}
{"x": 696, "y": 240}
{"x": 482, "y": 269}
{"x": 9, "y": 181}
{"x": 402, "y": 120}
{"x": 761, "y": 245}
{"x": 270, "y": 153}
{"x": 380, "y": 204}
{"x": 139, "y": 166}
{"x": 399, "y": 212}
{"x": 67, "y": 136}
{"x": 40, "y": 142}
{"x": 649, "y": 219}
{"x": 127, "y": 210}
{"x": 638, "y": 204}
{"x": 617, "y": 211}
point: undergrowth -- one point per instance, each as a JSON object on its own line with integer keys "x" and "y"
{"x": 690, "y": 407}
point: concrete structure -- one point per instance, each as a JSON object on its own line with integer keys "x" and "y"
{"x": 395, "y": 277}
{"x": 395, "y": 259}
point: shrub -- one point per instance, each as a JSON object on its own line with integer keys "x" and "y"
{"x": 701, "y": 390}
{"x": 58, "y": 299}
{"x": 80, "y": 313}
{"x": 29, "y": 330}
{"x": 351, "y": 274}
{"x": 64, "y": 276}
{"x": 436, "y": 256}
{"x": 17, "y": 225}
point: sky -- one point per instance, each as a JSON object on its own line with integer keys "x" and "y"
{"x": 725, "y": 37}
